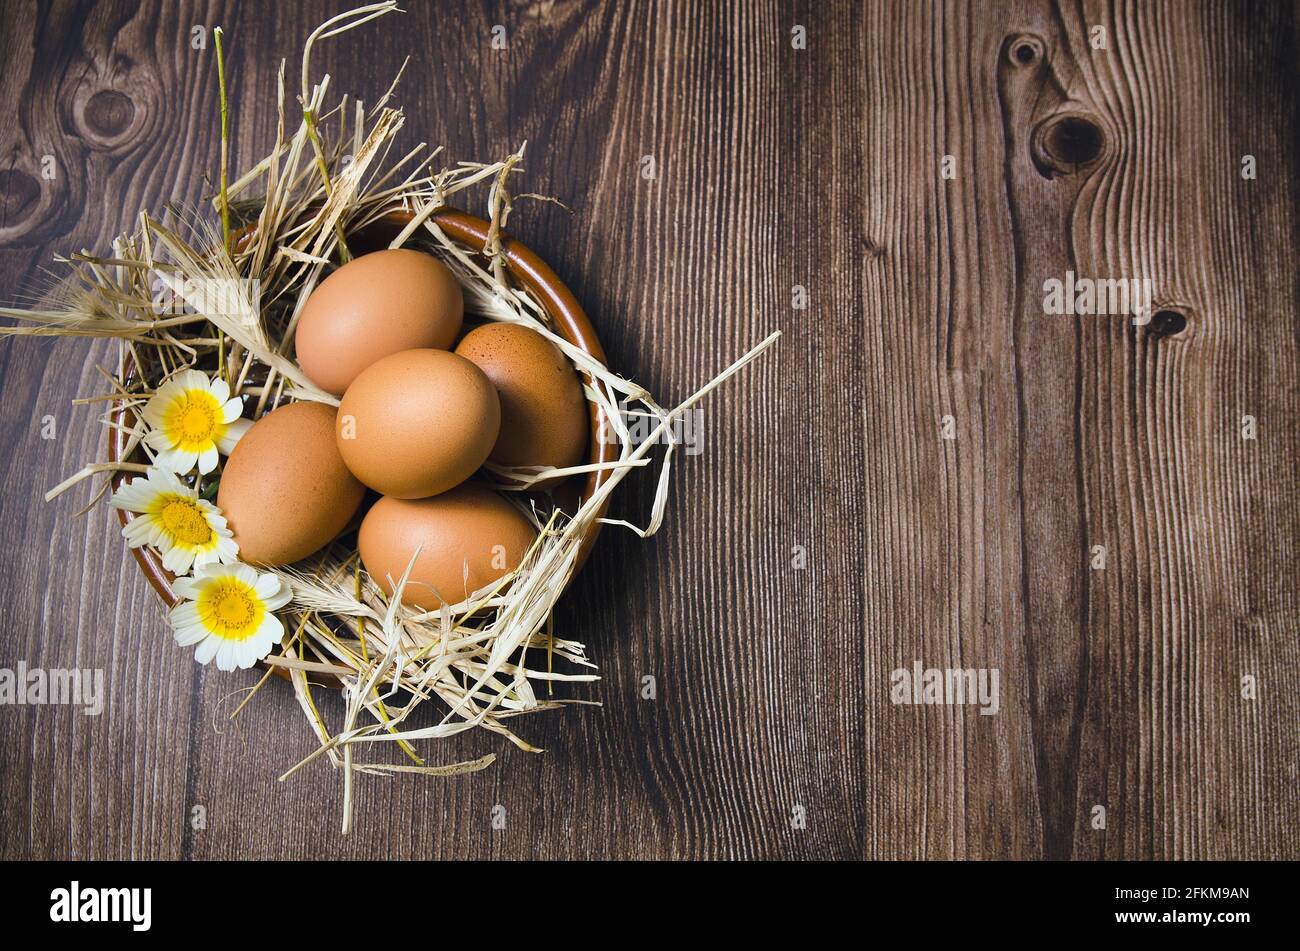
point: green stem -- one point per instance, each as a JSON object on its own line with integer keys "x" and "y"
{"x": 225, "y": 141}
{"x": 225, "y": 173}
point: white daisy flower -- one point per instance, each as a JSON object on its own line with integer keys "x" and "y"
{"x": 186, "y": 529}
{"x": 227, "y": 612}
{"x": 192, "y": 419}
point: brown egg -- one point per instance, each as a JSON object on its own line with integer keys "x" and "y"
{"x": 418, "y": 423}
{"x": 285, "y": 491}
{"x": 544, "y": 418}
{"x": 468, "y": 538}
{"x": 375, "y": 305}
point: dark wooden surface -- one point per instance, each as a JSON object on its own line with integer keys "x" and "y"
{"x": 776, "y": 167}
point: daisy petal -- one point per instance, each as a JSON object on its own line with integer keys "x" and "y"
{"x": 226, "y": 655}
{"x": 185, "y": 636}
{"x": 251, "y": 651}
{"x": 207, "y": 649}
{"x": 177, "y": 460}
{"x": 185, "y": 614}
{"x": 178, "y": 560}
{"x": 157, "y": 439}
{"x": 267, "y": 586}
{"x": 191, "y": 380}
{"x": 137, "y": 531}
{"x": 271, "y": 626}
{"x": 208, "y": 460}
{"x": 234, "y": 432}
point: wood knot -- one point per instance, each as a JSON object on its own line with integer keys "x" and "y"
{"x": 1066, "y": 143}
{"x": 1024, "y": 49}
{"x": 109, "y": 114}
{"x": 19, "y": 196}
{"x": 1167, "y": 322}
{"x": 109, "y": 120}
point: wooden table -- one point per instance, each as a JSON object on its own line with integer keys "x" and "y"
{"x": 924, "y": 470}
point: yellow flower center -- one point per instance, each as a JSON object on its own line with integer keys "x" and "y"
{"x": 184, "y": 521}
{"x": 193, "y": 421}
{"x": 231, "y": 609}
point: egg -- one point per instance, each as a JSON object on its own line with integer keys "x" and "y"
{"x": 285, "y": 491}
{"x": 544, "y": 417}
{"x": 418, "y": 423}
{"x": 468, "y": 538}
{"x": 375, "y": 305}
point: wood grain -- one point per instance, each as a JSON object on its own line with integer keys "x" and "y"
{"x": 776, "y": 167}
